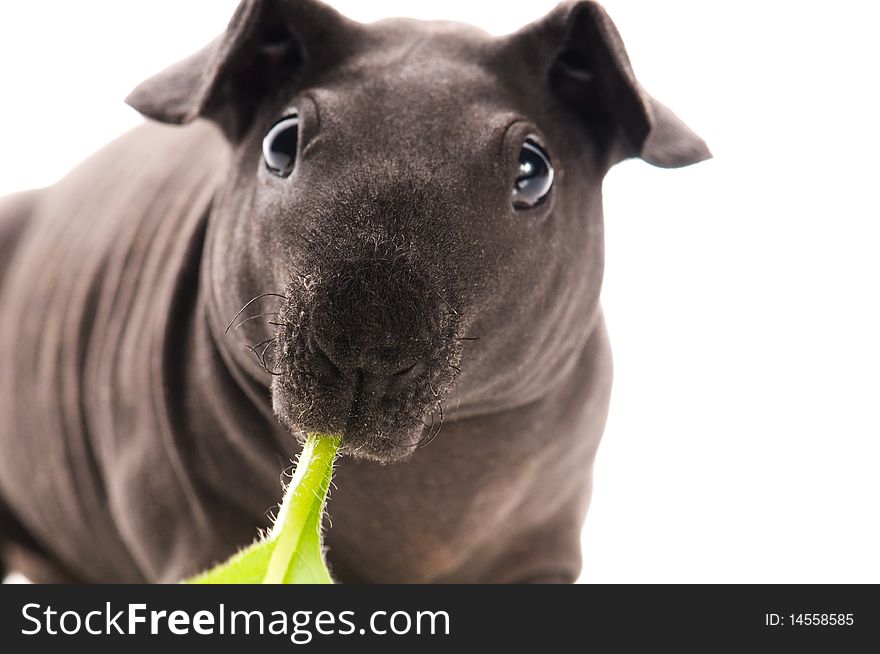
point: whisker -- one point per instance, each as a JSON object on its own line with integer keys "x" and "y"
{"x": 261, "y": 315}
{"x": 427, "y": 437}
{"x": 432, "y": 434}
{"x": 249, "y": 303}
{"x": 443, "y": 300}
{"x": 263, "y": 354}
{"x": 274, "y": 373}
{"x": 253, "y": 348}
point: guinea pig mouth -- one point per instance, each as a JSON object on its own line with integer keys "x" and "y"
{"x": 379, "y": 382}
{"x": 382, "y": 418}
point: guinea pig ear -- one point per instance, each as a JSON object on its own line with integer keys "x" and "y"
{"x": 266, "y": 42}
{"x": 590, "y": 69}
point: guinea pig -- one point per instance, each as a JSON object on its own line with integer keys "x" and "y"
{"x": 392, "y": 232}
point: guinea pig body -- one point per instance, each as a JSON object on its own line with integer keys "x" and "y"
{"x": 392, "y": 232}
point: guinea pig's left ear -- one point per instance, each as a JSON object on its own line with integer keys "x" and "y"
{"x": 265, "y": 44}
{"x": 588, "y": 67}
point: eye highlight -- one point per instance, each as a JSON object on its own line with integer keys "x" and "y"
{"x": 534, "y": 178}
{"x": 279, "y": 145}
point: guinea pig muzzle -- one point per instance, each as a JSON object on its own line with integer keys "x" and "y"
{"x": 366, "y": 349}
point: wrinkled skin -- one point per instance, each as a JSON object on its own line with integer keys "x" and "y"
{"x": 400, "y": 285}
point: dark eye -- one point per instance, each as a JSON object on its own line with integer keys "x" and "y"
{"x": 279, "y": 145}
{"x": 534, "y": 178}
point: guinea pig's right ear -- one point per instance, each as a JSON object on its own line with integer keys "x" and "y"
{"x": 265, "y": 44}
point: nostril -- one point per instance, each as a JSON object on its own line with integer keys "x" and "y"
{"x": 400, "y": 380}
{"x": 323, "y": 363}
{"x": 409, "y": 371}
{"x": 382, "y": 384}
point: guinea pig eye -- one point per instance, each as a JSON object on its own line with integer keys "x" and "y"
{"x": 279, "y": 145}
{"x": 534, "y": 178}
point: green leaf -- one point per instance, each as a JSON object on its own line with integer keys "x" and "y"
{"x": 292, "y": 553}
{"x": 246, "y": 567}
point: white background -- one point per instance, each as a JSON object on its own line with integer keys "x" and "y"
{"x": 742, "y": 294}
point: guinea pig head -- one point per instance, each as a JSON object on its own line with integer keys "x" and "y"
{"x": 411, "y": 216}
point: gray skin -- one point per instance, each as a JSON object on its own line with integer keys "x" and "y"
{"x": 403, "y": 286}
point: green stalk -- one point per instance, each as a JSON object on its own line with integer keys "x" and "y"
{"x": 292, "y": 552}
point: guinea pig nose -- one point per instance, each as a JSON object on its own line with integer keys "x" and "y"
{"x": 340, "y": 354}
{"x": 375, "y": 316}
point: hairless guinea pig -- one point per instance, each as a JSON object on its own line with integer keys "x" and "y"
{"x": 402, "y": 222}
